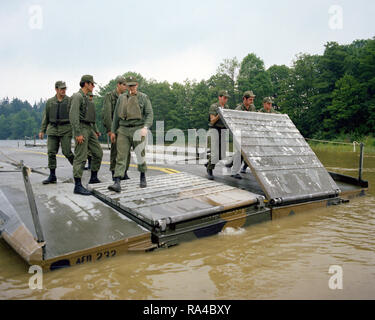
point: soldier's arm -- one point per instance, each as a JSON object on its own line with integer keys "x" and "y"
{"x": 116, "y": 120}
{"x": 107, "y": 113}
{"x": 43, "y": 127}
{"x": 74, "y": 115}
{"x": 96, "y": 128}
{"x": 214, "y": 116}
{"x": 149, "y": 113}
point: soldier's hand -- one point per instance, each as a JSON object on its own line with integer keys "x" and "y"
{"x": 98, "y": 134}
{"x": 41, "y": 135}
{"x": 113, "y": 137}
{"x": 80, "y": 139}
{"x": 143, "y": 132}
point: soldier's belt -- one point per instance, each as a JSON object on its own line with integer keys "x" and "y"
{"x": 86, "y": 122}
{"x": 59, "y": 123}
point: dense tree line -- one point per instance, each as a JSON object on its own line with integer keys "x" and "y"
{"x": 19, "y": 118}
{"x": 329, "y": 96}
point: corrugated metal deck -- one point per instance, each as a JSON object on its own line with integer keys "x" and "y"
{"x": 281, "y": 160}
{"x": 174, "y": 198}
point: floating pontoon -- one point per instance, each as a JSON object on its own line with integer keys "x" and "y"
{"x": 56, "y": 228}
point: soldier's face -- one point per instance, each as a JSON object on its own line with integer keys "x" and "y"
{"x": 248, "y": 101}
{"x": 90, "y": 86}
{"x": 223, "y": 100}
{"x": 133, "y": 89}
{"x": 267, "y": 106}
{"x": 61, "y": 92}
{"x": 122, "y": 87}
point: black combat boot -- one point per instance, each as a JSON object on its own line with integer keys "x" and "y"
{"x": 116, "y": 186}
{"x": 71, "y": 159}
{"x": 229, "y": 164}
{"x": 79, "y": 189}
{"x": 125, "y": 177}
{"x": 236, "y": 176}
{"x": 243, "y": 169}
{"x": 94, "y": 177}
{"x": 210, "y": 174}
{"x": 51, "y": 178}
{"x": 143, "y": 183}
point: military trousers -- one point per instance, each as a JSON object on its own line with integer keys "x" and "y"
{"x": 53, "y": 144}
{"x": 218, "y": 147}
{"x": 127, "y": 138}
{"x": 91, "y": 143}
{"x": 113, "y": 157}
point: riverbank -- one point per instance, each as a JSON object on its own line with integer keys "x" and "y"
{"x": 343, "y": 146}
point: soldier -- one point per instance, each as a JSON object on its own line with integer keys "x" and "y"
{"x": 109, "y": 104}
{"x": 247, "y": 102}
{"x": 89, "y": 156}
{"x": 57, "y": 126}
{"x": 132, "y": 117}
{"x": 246, "y": 105}
{"x": 215, "y": 124}
{"x": 82, "y": 117}
{"x": 267, "y": 106}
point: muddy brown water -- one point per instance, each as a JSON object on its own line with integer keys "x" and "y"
{"x": 284, "y": 259}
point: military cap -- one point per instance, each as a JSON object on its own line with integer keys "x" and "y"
{"x": 60, "y": 85}
{"x": 120, "y": 79}
{"x": 267, "y": 100}
{"x": 131, "y": 81}
{"x": 223, "y": 93}
{"x": 249, "y": 94}
{"x": 88, "y": 78}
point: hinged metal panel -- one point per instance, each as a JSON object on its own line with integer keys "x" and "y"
{"x": 281, "y": 160}
{"x": 172, "y": 198}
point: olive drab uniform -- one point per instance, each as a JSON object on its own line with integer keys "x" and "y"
{"x": 271, "y": 111}
{"x": 83, "y": 119}
{"x": 109, "y": 104}
{"x": 132, "y": 113}
{"x": 218, "y": 149}
{"x": 56, "y": 125}
{"x": 237, "y": 158}
{"x": 241, "y": 107}
{"x": 268, "y": 100}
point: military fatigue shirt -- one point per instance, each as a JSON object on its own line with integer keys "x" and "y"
{"x": 146, "y": 112}
{"x": 271, "y": 111}
{"x": 109, "y": 106}
{"x": 77, "y": 113}
{"x": 213, "y": 111}
{"x": 241, "y": 107}
{"x": 49, "y": 128}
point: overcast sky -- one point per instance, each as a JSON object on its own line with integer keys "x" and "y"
{"x": 44, "y": 41}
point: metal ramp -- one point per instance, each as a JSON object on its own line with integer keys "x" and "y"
{"x": 174, "y": 198}
{"x": 281, "y": 160}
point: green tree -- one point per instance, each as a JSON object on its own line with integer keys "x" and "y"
{"x": 252, "y": 76}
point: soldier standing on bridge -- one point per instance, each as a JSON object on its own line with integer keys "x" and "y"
{"x": 57, "y": 126}
{"x": 109, "y": 105}
{"x": 246, "y": 105}
{"x": 218, "y": 149}
{"x": 132, "y": 118}
{"x": 267, "y": 106}
{"x": 83, "y": 119}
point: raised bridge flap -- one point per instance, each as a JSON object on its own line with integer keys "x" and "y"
{"x": 281, "y": 160}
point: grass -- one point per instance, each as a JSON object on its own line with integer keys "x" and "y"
{"x": 341, "y": 146}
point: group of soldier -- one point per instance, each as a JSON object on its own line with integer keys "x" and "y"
{"x": 215, "y": 123}
{"x": 127, "y": 116}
